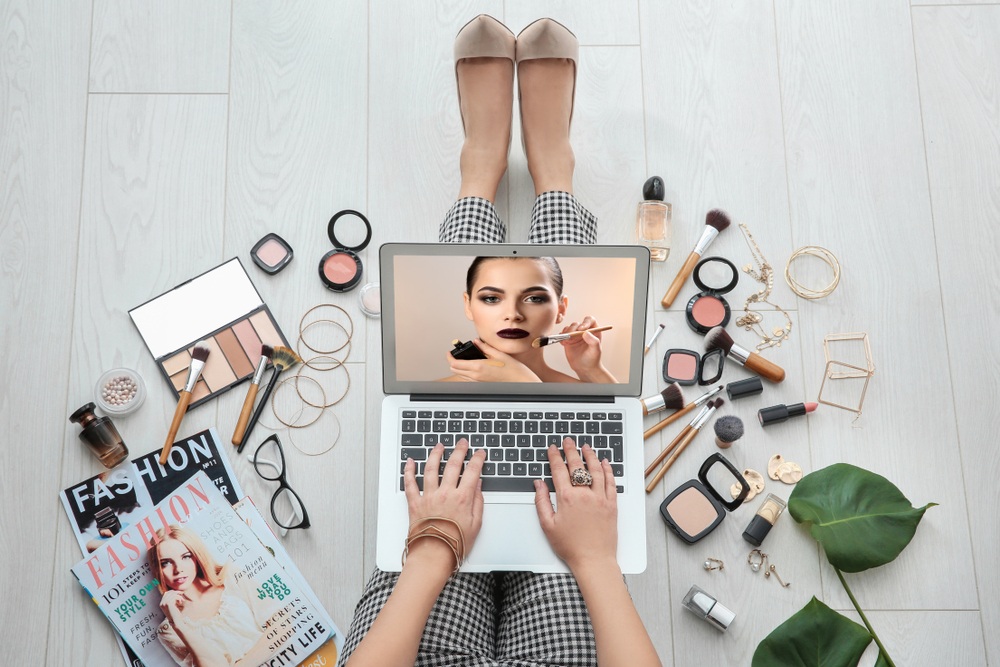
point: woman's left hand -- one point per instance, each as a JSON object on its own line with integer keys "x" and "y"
{"x": 584, "y": 352}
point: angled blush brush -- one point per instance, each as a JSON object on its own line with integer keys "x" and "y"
{"x": 684, "y": 441}
{"x": 199, "y": 355}
{"x": 282, "y": 358}
{"x": 715, "y": 222}
{"x": 241, "y": 424}
{"x": 670, "y": 419}
{"x": 558, "y": 338}
{"x": 718, "y": 338}
{"x": 671, "y": 398}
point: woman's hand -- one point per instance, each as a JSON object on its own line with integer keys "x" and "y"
{"x": 585, "y": 525}
{"x": 499, "y": 367}
{"x": 583, "y": 353}
{"x": 172, "y": 603}
{"x": 460, "y": 500}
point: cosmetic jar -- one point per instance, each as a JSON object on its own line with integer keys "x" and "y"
{"x": 698, "y": 506}
{"x": 272, "y": 253}
{"x": 708, "y": 609}
{"x": 120, "y": 391}
{"x": 686, "y": 367}
{"x": 101, "y": 436}
{"x": 765, "y": 518}
{"x": 370, "y": 299}
{"x": 708, "y": 308}
{"x": 341, "y": 268}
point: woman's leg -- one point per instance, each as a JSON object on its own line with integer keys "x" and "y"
{"x": 546, "y": 90}
{"x": 459, "y": 631}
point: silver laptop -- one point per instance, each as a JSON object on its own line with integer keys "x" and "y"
{"x": 530, "y": 390}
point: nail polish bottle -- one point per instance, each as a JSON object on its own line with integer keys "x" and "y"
{"x": 708, "y": 609}
{"x": 653, "y": 227}
{"x": 101, "y": 436}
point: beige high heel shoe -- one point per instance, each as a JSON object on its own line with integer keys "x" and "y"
{"x": 547, "y": 38}
{"x": 482, "y": 37}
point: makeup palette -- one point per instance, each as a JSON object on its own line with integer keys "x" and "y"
{"x": 714, "y": 276}
{"x": 341, "y": 268}
{"x": 686, "y": 367}
{"x": 698, "y": 506}
{"x": 220, "y": 307}
{"x": 272, "y": 253}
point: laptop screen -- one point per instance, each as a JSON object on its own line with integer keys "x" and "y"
{"x": 494, "y": 319}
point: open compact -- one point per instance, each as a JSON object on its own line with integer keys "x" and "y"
{"x": 685, "y": 367}
{"x": 272, "y": 253}
{"x": 698, "y": 506}
{"x": 341, "y": 268}
{"x": 714, "y": 276}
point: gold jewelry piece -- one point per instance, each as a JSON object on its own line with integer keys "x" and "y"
{"x": 756, "y": 559}
{"x": 325, "y": 404}
{"x": 770, "y": 571}
{"x": 823, "y": 254}
{"x": 457, "y": 545}
{"x": 751, "y": 320}
{"x": 303, "y": 326}
{"x": 714, "y": 564}
{"x": 839, "y": 370}
{"x": 293, "y": 422}
{"x": 580, "y": 477}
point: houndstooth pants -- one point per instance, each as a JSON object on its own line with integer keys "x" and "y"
{"x": 514, "y": 619}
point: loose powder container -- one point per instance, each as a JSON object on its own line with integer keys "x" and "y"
{"x": 120, "y": 391}
{"x": 370, "y": 299}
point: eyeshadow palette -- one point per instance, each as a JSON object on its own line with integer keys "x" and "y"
{"x": 220, "y": 307}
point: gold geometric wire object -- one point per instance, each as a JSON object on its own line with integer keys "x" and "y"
{"x": 847, "y": 370}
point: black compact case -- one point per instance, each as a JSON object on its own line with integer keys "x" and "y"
{"x": 686, "y": 510}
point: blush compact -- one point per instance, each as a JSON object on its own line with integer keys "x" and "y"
{"x": 714, "y": 276}
{"x": 341, "y": 268}
{"x": 272, "y": 253}
{"x": 685, "y": 367}
{"x": 697, "y": 507}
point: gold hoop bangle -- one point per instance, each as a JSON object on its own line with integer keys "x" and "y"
{"x": 825, "y": 256}
{"x": 325, "y": 403}
{"x": 274, "y": 395}
{"x": 303, "y": 326}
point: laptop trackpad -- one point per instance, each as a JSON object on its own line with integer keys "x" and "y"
{"x": 512, "y": 539}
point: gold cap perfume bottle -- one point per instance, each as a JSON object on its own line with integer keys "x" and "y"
{"x": 653, "y": 227}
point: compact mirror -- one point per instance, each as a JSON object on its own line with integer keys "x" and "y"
{"x": 698, "y": 506}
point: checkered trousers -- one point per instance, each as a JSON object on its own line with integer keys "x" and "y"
{"x": 508, "y": 619}
{"x": 556, "y": 217}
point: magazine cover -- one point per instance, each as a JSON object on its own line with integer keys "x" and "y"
{"x": 190, "y": 583}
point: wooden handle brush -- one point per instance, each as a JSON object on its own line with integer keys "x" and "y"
{"x": 199, "y": 355}
{"x": 558, "y": 338}
{"x": 685, "y": 440}
{"x": 716, "y": 221}
{"x": 718, "y": 338}
{"x": 667, "y": 421}
{"x": 283, "y": 358}
{"x": 241, "y": 424}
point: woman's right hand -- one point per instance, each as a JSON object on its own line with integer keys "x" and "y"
{"x": 172, "y": 603}
{"x": 499, "y": 367}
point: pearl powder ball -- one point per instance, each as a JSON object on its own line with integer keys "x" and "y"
{"x": 119, "y": 390}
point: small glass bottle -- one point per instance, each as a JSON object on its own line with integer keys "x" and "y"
{"x": 653, "y": 227}
{"x": 101, "y": 436}
{"x": 708, "y": 609}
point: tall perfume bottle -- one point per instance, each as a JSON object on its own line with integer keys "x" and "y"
{"x": 653, "y": 227}
{"x": 101, "y": 436}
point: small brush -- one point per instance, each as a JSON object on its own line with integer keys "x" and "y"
{"x": 558, "y": 338}
{"x": 673, "y": 443}
{"x": 671, "y": 398}
{"x": 241, "y": 425}
{"x": 199, "y": 355}
{"x": 728, "y": 429}
{"x": 685, "y": 441}
{"x": 282, "y": 358}
{"x": 652, "y": 339}
{"x": 718, "y": 338}
{"x": 716, "y": 222}
{"x": 667, "y": 421}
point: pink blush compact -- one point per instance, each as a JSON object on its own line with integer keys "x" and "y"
{"x": 272, "y": 253}
{"x": 341, "y": 268}
{"x": 708, "y": 308}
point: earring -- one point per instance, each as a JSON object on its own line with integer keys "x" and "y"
{"x": 770, "y": 571}
{"x": 756, "y": 559}
{"x": 714, "y": 564}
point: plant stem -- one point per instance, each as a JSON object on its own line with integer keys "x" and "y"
{"x": 864, "y": 619}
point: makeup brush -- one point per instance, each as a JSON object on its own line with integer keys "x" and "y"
{"x": 199, "y": 355}
{"x": 715, "y": 222}
{"x": 671, "y": 398}
{"x": 558, "y": 338}
{"x": 718, "y": 338}
{"x": 282, "y": 358}
{"x": 652, "y": 339}
{"x": 673, "y": 443}
{"x": 241, "y": 425}
{"x": 685, "y": 441}
{"x": 667, "y": 421}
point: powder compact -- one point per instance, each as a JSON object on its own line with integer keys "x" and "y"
{"x": 341, "y": 268}
{"x": 708, "y": 308}
{"x": 698, "y": 506}
{"x": 222, "y": 308}
{"x": 272, "y": 253}
{"x": 685, "y": 367}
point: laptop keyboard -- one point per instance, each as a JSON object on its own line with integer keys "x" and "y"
{"x": 516, "y": 442}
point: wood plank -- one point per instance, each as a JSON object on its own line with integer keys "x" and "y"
{"x": 594, "y": 23}
{"x": 144, "y": 46}
{"x": 959, "y": 82}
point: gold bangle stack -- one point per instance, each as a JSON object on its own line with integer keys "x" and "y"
{"x": 457, "y": 544}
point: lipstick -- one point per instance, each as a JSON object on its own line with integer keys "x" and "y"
{"x": 779, "y": 413}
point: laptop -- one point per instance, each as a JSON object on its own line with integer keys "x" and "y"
{"x": 533, "y": 389}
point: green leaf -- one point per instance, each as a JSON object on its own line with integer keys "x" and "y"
{"x": 859, "y": 518}
{"x": 816, "y": 635}
{"x": 882, "y": 661}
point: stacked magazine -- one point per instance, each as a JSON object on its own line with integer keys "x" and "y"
{"x": 188, "y": 578}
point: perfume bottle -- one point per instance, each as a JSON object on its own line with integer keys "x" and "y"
{"x": 653, "y": 227}
{"x": 101, "y": 436}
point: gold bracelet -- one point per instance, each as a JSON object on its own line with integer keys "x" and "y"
{"x": 823, "y": 255}
{"x": 457, "y": 545}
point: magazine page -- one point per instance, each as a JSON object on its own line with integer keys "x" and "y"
{"x": 190, "y": 583}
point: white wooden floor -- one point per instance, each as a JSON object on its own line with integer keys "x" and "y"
{"x": 142, "y": 142}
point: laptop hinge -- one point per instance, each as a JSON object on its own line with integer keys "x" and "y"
{"x": 507, "y": 398}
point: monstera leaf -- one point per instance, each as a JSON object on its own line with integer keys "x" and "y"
{"x": 815, "y": 635}
{"x": 861, "y": 519}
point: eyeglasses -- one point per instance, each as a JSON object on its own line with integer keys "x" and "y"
{"x": 269, "y": 462}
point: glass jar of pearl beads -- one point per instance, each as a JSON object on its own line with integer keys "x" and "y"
{"x": 120, "y": 391}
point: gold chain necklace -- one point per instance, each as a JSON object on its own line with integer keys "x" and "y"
{"x": 751, "y": 320}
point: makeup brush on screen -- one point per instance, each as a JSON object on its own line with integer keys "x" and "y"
{"x": 718, "y": 338}
{"x": 282, "y": 358}
{"x": 671, "y": 398}
{"x": 685, "y": 441}
{"x": 199, "y": 355}
{"x": 715, "y": 222}
{"x": 667, "y": 421}
{"x": 241, "y": 425}
{"x": 558, "y": 338}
